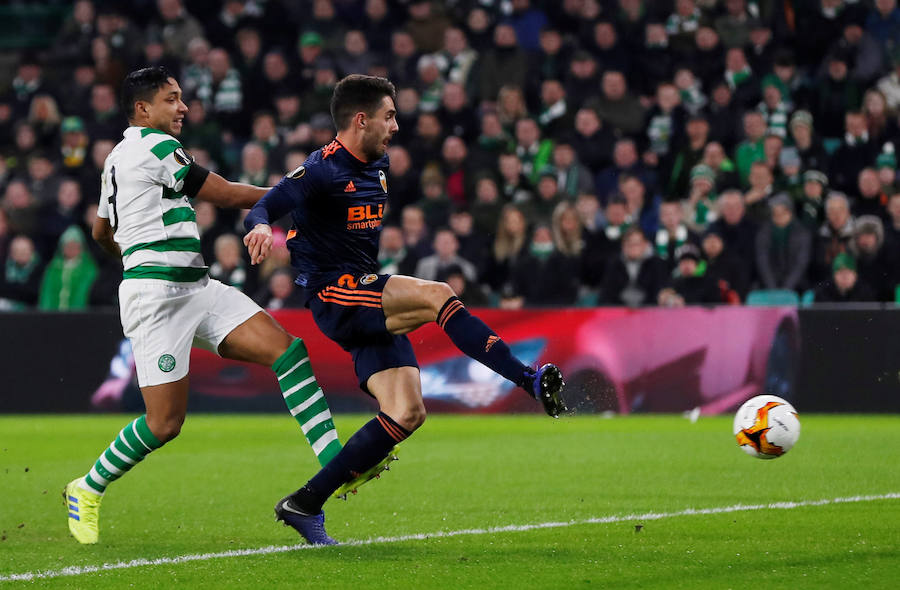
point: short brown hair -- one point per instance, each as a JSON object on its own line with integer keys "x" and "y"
{"x": 356, "y": 93}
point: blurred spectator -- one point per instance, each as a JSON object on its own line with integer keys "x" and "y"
{"x": 355, "y": 57}
{"x": 425, "y": 147}
{"x": 864, "y": 53}
{"x": 665, "y": 127}
{"x": 56, "y": 216}
{"x": 473, "y": 246}
{"x": 326, "y": 22}
{"x": 222, "y": 89}
{"x": 592, "y": 141}
{"x": 751, "y": 149}
{"x": 724, "y": 116}
{"x": 833, "y": 96}
{"x": 761, "y": 188}
{"x": 416, "y": 238}
{"x": 316, "y": 99}
{"x": 673, "y": 233}
{"x": 834, "y": 236}
{"x": 511, "y": 107}
{"x": 44, "y": 118}
{"x": 572, "y": 177}
{"x": 886, "y": 164}
{"x": 625, "y": 161}
{"x": 279, "y": 292}
{"x": 682, "y": 24}
{"x": 468, "y": 291}
{"x": 844, "y": 284}
{"x": 883, "y": 23}
{"x": 809, "y": 146}
{"x": 539, "y": 208}
{"x": 889, "y": 85}
{"x": 254, "y": 169}
{"x": 457, "y": 60}
{"x": 699, "y": 208}
{"x": 616, "y": 106}
{"x": 403, "y": 59}
{"x": 505, "y": 64}
{"x": 873, "y": 264}
{"x": 109, "y": 66}
{"x": 740, "y": 78}
{"x": 456, "y": 116}
{"x": 378, "y": 24}
{"x": 737, "y": 230}
{"x": 446, "y": 254}
{"x": 655, "y": 60}
{"x": 509, "y": 246}
{"x": 811, "y": 206}
{"x": 855, "y": 153}
{"x": 692, "y": 97}
{"x": 774, "y": 110}
{"x": 782, "y": 248}
{"x": 818, "y": 26}
{"x": 684, "y": 160}
{"x": 689, "y": 285}
{"x": 20, "y": 279}
{"x": 734, "y": 26}
{"x": 27, "y": 83}
{"x": 514, "y": 185}
{"x": 429, "y": 83}
{"x": 207, "y": 227}
{"x": 73, "y": 145}
{"x": 478, "y": 29}
{"x": 105, "y": 120}
{"x": 403, "y": 182}
{"x": 487, "y": 207}
{"x": 310, "y": 50}
{"x": 708, "y": 58}
{"x": 458, "y": 178}
{"x": 583, "y": 79}
{"x": 541, "y": 259}
{"x": 21, "y": 208}
{"x": 760, "y": 49}
{"x": 434, "y": 202}
{"x": 73, "y": 42}
{"x": 872, "y": 200}
{"x": 555, "y": 116}
{"x": 391, "y": 250}
{"x": 67, "y": 282}
{"x": 533, "y": 150}
{"x": 728, "y": 273}
{"x": 722, "y": 167}
{"x": 604, "y": 243}
{"x": 175, "y": 26}
{"x": 426, "y": 25}
{"x": 635, "y": 277}
{"x": 228, "y": 266}
{"x": 551, "y": 59}
{"x": 879, "y": 123}
{"x": 42, "y": 180}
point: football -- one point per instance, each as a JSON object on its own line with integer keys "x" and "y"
{"x": 766, "y": 426}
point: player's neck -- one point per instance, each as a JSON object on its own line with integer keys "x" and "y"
{"x": 352, "y": 144}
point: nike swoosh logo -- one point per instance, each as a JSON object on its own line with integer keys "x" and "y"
{"x": 286, "y": 506}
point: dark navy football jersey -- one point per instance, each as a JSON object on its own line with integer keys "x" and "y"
{"x": 337, "y": 203}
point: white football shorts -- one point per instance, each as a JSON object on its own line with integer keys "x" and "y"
{"x": 164, "y": 319}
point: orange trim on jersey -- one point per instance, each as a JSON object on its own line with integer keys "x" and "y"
{"x": 448, "y": 312}
{"x": 392, "y": 430}
{"x": 330, "y": 149}
{"x": 349, "y": 152}
{"x": 291, "y": 234}
{"x": 346, "y": 303}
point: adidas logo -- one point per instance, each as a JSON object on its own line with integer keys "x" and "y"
{"x": 491, "y": 341}
{"x": 350, "y": 188}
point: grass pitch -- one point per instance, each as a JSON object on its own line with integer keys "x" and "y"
{"x": 213, "y": 489}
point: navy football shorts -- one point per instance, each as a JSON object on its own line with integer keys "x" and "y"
{"x": 349, "y": 312}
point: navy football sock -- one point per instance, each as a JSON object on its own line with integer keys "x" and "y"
{"x": 477, "y": 340}
{"x": 364, "y": 450}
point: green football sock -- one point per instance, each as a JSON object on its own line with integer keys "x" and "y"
{"x": 305, "y": 400}
{"x": 133, "y": 443}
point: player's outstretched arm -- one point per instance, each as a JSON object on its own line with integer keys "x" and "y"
{"x": 259, "y": 242}
{"x": 231, "y": 195}
{"x": 273, "y": 206}
{"x": 102, "y": 232}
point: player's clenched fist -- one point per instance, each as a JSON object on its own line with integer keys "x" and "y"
{"x": 259, "y": 242}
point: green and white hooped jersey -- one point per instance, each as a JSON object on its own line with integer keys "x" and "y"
{"x": 154, "y": 223}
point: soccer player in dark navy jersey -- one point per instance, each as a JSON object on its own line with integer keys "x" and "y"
{"x": 336, "y": 200}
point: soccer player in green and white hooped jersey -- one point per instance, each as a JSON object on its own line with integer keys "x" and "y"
{"x": 167, "y": 301}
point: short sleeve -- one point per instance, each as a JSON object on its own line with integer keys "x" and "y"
{"x": 170, "y": 162}
{"x": 105, "y": 192}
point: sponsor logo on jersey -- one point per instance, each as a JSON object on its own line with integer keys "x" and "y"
{"x": 350, "y": 188}
{"x": 298, "y": 172}
{"x": 365, "y": 216}
{"x": 182, "y": 157}
{"x": 368, "y": 279}
{"x": 383, "y": 179}
{"x": 166, "y": 363}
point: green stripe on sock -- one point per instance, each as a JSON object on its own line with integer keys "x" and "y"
{"x": 178, "y": 214}
{"x": 123, "y": 448}
{"x": 90, "y": 481}
{"x": 319, "y": 429}
{"x": 170, "y": 245}
{"x": 303, "y": 394}
{"x": 133, "y": 441}
{"x": 295, "y": 352}
{"x": 104, "y": 472}
{"x": 328, "y": 453}
{"x": 164, "y": 148}
{"x": 114, "y": 459}
{"x": 317, "y": 408}
{"x": 146, "y": 434}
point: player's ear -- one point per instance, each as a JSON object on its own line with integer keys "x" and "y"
{"x": 360, "y": 119}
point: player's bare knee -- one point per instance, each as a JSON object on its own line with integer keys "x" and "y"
{"x": 165, "y": 428}
{"x": 412, "y": 417}
{"x": 438, "y": 294}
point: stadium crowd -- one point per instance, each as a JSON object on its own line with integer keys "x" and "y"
{"x": 573, "y": 152}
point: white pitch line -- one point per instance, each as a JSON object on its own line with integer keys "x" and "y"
{"x": 77, "y": 570}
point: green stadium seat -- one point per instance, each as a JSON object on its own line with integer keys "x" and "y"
{"x": 764, "y": 297}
